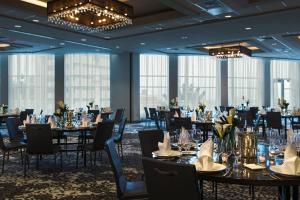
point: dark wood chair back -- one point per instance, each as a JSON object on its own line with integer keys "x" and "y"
{"x": 103, "y": 133}
{"x": 39, "y": 139}
{"x": 274, "y": 120}
{"x": 149, "y": 141}
{"x": 183, "y": 122}
{"x": 119, "y": 115}
{"x": 170, "y": 180}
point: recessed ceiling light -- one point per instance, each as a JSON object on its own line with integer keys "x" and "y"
{"x": 227, "y": 16}
{"x": 158, "y": 28}
{"x": 107, "y": 37}
{"x": 18, "y": 26}
{"x": 274, "y": 44}
{"x": 142, "y": 43}
{"x": 169, "y": 48}
{"x": 203, "y": 43}
{"x": 299, "y": 37}
{"x": 83, "y": 39}
{"x": 52, "y": 46}
{"x": 248, "y": 28}
{"x": 117, "y": 47}
{"x": 36, "y": 20}
{"x": 184, "y": 37}
{"x": 62, "y": 43}
{"x": 4, "y": 45}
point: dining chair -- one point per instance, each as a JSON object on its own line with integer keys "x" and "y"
{"x": 118, "y": 139}
{"x": 125, "y": 189}
{"x": 149, "y": 141}
{"x": 95, "y": 113}
{"x": 254, "y": 112}
{"x": 222, "y": 108}
{"x": 273, "y": 120}
{"x": 14, "y": 142}
{"x": 174, "y": 110}
{"x": 170, "y": 180}
{"x": 39, "y": 142}
{"x": 119, "y": 115}
{"x": 154, "y": 117}
{"x": 29, "y": 111}
{"x": 183, "y": 122}
{"x": 23, "y": 116}
{"x": 104, "y": 132}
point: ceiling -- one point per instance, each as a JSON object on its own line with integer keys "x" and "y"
{"x": 163, "y": 26}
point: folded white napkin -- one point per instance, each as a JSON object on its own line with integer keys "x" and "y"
{"x": 194, "y": 116}
{"x": 290, "y": 136}
{"x": 176, "y": 114}
{"x": 205, "y": 156}
{"x": 165, "y": 146}
{"x": 262, "y": 112}
{"x": 85, "y": 122}
{"x": 33, "y": 119}
{"x": 27, "y": 121}
{"x": 17, "y": 111}
{"x": 184, "y": 136}
{"x": 51, "y": 121}
{"x": 291, "y": 163}
{"x": 99, "y": 119}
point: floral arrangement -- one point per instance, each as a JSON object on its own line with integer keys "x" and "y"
{"x": 225, "y": 129}
{"x": 201, "y": 107}
{"x": 4, "y": 108}
{"x": 62, "y": 109}
{"x": 91, "y": 104}
{"x": 283, "y": 104}
{"x": 248, "y": 102}
{"x": 174, "y": 102}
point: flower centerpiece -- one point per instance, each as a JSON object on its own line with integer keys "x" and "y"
{"x": 61, "y": 112}
{"x": 174, "y": 103}
{"x": 225, "y": 132}
{"x": 91, "y": 105}
{"x": 200, "y": 110}
{"x": 283, "y": 104}
{"x": 4, "y": 108}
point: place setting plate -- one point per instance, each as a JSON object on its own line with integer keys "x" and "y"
{"x": 164, "y": 155}
{"x": 278, "y": 170}
{"x": 216, "y": 168}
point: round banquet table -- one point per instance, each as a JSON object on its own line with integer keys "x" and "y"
{"x": 240, "y": 175}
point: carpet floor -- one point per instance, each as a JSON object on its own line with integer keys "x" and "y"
{"x": 94, "y": 182}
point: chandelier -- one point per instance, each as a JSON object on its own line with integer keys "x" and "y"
{"x": 90, "y": 15}
{"x": 230, "y": 52}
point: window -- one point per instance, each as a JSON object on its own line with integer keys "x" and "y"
{"x": 31, "y": 82}
{"x": 197, "y": 77}
{"x": 87, "y": 78}
{"x": 154, "y": 81}
{"x": 285, "y": 80}
{"x": 245, "y": 79}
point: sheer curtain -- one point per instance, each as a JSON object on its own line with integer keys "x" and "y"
{"x": 245, "y": 78}
{"x": 87, "y": 78}
{"x": 289, "y": 73}
{"x": 31, "y": 82}
{"x": 154, "y": 81}
{"x": 197, "y": 77}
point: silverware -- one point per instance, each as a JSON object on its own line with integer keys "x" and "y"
{"x": 273, "y": 176}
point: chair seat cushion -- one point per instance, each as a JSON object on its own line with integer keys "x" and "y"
{"x": 135, "y": 189}
{"x": 14, "y": 146}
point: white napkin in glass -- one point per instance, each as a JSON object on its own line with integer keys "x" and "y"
{"x": 85, "y": 122}
{"x": 99, "y": 119}
{"x": 176, "y": 114}
{"x": 262, "y": 112}
{"x": 17, "y": 111}
{"x": 291, "y": 163}
{"x": 165, "y": 146}
{"x": 194, "y": 116}
{"x": 290, "y": 136}
{"x": 33, "y": 119}
{"x": 205, "y": 156}
{"x": 51, "y": 121}
{"x": 27, "y": 121}
{"x": 184, "y": 136}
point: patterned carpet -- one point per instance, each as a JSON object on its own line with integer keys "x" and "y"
{"x": 91, "y": 182}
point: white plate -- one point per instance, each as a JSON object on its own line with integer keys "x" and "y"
{"x": 217, "y": 167}
{"x": 254, "y": 166}
{"x": 278, "y": 169}
{"x": 166, "y": 154}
